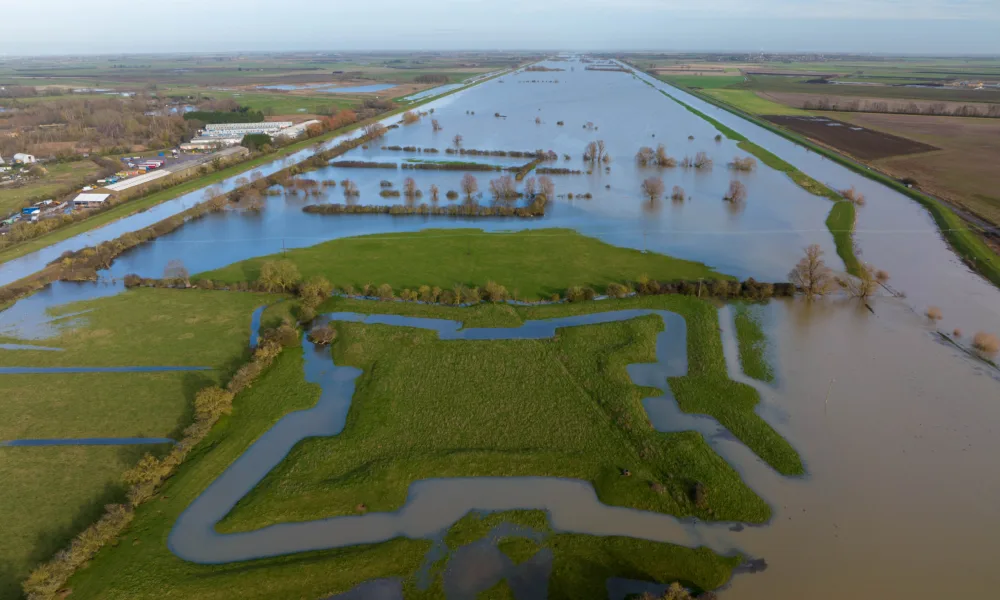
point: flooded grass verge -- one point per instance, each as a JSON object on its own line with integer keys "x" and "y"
{"x": 752, "y": 343}
{"x": 962, "y": 236}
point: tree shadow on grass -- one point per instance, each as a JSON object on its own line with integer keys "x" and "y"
{"x": 50, "y": 541}
{"x": 10, "y": 581}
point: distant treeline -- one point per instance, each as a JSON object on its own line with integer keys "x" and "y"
{"x": 240, "y": 115}
{"x": 940, "y": 109}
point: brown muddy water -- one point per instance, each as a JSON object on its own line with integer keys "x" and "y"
{"x": 899, "y": 435}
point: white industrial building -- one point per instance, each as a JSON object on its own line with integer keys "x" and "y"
{"x": 241, "y": 129}
{"x": 24, "y": 159}
{"x": 90, "y": 200}
{"x": 139, "y": 180}
{"x": 295, "y": 130}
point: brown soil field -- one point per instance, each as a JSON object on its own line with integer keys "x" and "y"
{"x": 866, "y": 104}
{"x": 858, "y": 141}
{"x": 964, "y": 171}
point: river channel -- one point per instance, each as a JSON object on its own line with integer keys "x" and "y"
{"x": 897, "y": 429}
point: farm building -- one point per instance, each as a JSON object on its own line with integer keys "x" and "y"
{"x": 90, "y": 200}
{"x": 24, "y": 159}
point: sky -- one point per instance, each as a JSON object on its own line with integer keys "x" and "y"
{"x": 30, "y": 27}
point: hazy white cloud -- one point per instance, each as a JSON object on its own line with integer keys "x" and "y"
{"x": 95, "y": 26}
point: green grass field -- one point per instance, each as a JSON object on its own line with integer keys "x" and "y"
{"x": 457, "y": 408}
{"x": 751, "y": 102}
{"x": 288, "y": 104}
{"x": 60, "y": 177}
{"x": 150, "y": 327}
{"x": 705, "y": 82}
{"x": 752, "y": 342}
{"x": 98, "y": 404}
{"x": 522, "y": 261}
{"x": 48, "y": 495}
{"x": 141, "y": 566}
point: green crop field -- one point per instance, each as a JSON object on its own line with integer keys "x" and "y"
{"x": 521, "y": 261}
{"x": 288, "y": 104}
{"x": 751, "y": 102}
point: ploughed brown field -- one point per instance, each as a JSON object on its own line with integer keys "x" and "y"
{"x": 963, "y": 172}
{"x": 858, "y": 141}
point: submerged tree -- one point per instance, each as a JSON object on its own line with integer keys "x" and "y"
{"x": 503, "y": 188}
{"x": 811, "y": 275}
{"x": 457, "y": 140}
{"x": 435, "y": 193}
{"x": 546, "y": 187}
{"x": 678, "y": 194}
{"x": 175, "y": 269}
{"x": 469, "y": 185}
{"x": 349, "y": 188}
{"x": 529, "y": 187}
{"x": 645, "y": 157}
{"x": 737, "y": 192}
{"x": 662, "y": 159}
{"x": 652, "y": 188}
{"x": 409, "y": 187}
{"x": 375, "y": 130}
{"x": 864, "y": 285}
{"x": 436, "y": 125}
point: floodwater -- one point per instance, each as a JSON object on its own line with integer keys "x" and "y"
{"x": 327, "y": 89}
{"x": 897, "y": 429}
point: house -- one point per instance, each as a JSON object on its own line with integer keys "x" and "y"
{"x": 86, "y": 200}
{"x": 24, "y": 159}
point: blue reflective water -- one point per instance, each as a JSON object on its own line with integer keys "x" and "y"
{"x": 88, "y": 442}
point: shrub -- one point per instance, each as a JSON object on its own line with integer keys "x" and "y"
{"x": 315, "y": 290}
{"x": 854, "y": 196}
{"x": 448, "y": 297}
{"x": 957, "y": 333}
{"x": 678, "y": 195}
{"x": 580, "y": 294}
{"x": 322, "y": 335}
{"x": 747, "y": 163}
{"x": 283, "y": 336}
{"x": 737, "y": 192}
{"x": 699, "y": 495}
{"x": 278, "y": 275}
{"x": 451, "y": 195}
{"x": 494, "y": 292}
{"x": 987, "y": 343}
{"x": 934, "y": 313}
{"x": 212, "y": 402}
{"x": 306, "y": 313}
{"x": 617, "y": 290}
{"x": 385, "y": 292}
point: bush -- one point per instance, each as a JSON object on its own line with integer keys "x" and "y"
{"x": 580, "y": 294}
{"x": 934, "y": 313}
{"x": 494, "y": 292}
{"x": 322, "y": 335}
{"x": 987, "y": 343}
{"x": 385, "y": 292}
{"x": 278, "y": 275}
{"x": 617, "y": 290}
{"x": 212, "y": 402}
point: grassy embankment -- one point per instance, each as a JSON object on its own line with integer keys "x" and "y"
{"x": 142, "y": 566}
{"x": 524, "y": 261}
{"x": 138, "y": 205}
{"x": 49, "y": 494}
{"x": 752, "y": 342}
{"x": 963, "y": 238}
{"x": 840, "y": 222}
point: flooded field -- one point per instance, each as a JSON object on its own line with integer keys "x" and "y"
{"x": 898, "y": 429}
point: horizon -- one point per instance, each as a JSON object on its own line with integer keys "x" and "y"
{"x": 891, "y": 27}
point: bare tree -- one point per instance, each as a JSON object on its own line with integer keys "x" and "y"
{"x": 469, "y": 185}
{"x": 702, "y": 161}
{"x": 350, "y": 188}
{"x": 546, "y": 187}
{"x": 737, "y": 192}
{"x": 252, "y": 200}
{"x": 410, "y": 117}
{"x": 529, "y": 187}
{"x": 652, "y": 187}
{"x": 596, "y": 152}
{"x": 645, "y": 157}
{"x": 409, "y": 187}
{"x": 503, "y": 188}
{"x": 811, "y": 275}
{"x": 864, "y": 285}
{"x": 436, "y": 125}
{"x": 457, "y": 140}
{"x": 175, "y": 269}
{"x": 746, "y": 163}
{"x": 374, "y": 130}
{"x": 854, "y": 196}
{"x": 678, "y": 194}
{"x": 662, "y": 159}
{"x": 435, "y": 192}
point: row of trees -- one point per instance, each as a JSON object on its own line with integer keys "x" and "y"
{"x": 950, "y": 109}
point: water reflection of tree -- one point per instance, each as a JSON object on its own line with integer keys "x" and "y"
{"x": 652, "y": 206}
